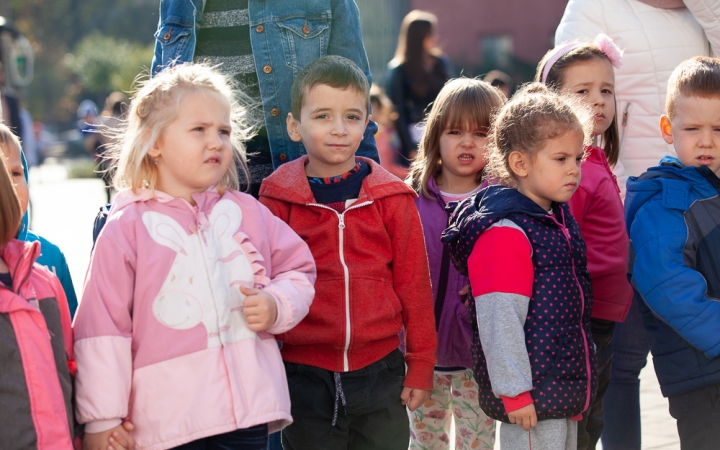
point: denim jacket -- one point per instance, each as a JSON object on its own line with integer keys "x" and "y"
{"x": 285, "y": 35}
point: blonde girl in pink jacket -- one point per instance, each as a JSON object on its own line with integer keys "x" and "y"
{"x": 188, "y": 283}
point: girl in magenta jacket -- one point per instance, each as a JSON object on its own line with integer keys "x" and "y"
{"x": 586, "y": 69}
{"x": 188, "y": 282}
{"x": 449, "y": 168}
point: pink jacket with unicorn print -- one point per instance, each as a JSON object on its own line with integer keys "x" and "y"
{"x": 160, "y": 335}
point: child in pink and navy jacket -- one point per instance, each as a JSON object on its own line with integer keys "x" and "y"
{"x": 531, "y": 293}
{"x": 189, "y": 281}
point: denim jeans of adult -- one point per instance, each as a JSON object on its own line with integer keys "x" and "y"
{"x": 253, "y": 438}
{"x": 373, "y": 419}
{"x": 591, "y": 426}
{"x": 621, "y": 415}
{"x": 275, "y": 441}
{"x": 698, "y": 418}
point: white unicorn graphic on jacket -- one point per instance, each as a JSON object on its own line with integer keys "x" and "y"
{"x": 203, "y": 285}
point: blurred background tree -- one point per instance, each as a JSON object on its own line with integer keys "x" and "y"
{"x": 105, "y": 63}
{"x": 84, "y": 49}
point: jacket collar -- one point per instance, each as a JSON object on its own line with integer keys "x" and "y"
{"x": 289, "y": 183}
{"x": 594, "y": 154}
{"x": 20, "y": 257}
{"x": 500, "y": 201}
{"x": 685, "y": 182}
{"x": 493, "y": 204}
{"x": 128, "y": 196}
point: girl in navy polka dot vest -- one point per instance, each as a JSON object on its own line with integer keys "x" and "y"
{"x": 531, "y": 292}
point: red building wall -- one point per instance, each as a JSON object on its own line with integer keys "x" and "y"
{"x": 462, "y": 25}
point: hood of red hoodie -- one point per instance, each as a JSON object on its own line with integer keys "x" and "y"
{"x": 289, "y": 183}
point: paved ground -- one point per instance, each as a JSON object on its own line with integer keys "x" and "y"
{"x": 63, "y": 212}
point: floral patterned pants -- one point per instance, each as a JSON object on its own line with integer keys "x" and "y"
{"x": 455, "y": 394}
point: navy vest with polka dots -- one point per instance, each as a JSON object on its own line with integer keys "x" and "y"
{"x": 557, "y": 328}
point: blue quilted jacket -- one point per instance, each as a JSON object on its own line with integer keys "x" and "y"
{"x": 673, "y": 217}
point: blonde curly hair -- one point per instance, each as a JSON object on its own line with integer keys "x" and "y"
{"x": 155, "y": 106}
{"x": 533, "y": 116}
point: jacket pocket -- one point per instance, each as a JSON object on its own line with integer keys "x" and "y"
{"x": 304, "y": 40}
{"x": 567, "y": 360}
{"x": 324, "y": 323}
{"x": 173, "y": 38}
{"x": 376, "y": 309}
{"x": 563, "y": 390}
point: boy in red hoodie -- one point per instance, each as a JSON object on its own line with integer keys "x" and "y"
{"x": 346, "y": 376}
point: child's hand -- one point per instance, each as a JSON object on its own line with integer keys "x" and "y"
{"x": 260, "y": 309}
{"x": 414, "y": 398}
{"x": 117, "y": 438}
{"x": 122, "y": 440}
{"x": 525, "y": 417}
{"x": 463, "y": 295}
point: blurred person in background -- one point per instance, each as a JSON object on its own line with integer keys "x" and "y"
{"x": 88, "y": 122}
{"x": 500, "y": 80}
{"x": 28, "y": 138}
{"x": 116, "y": 106}
{"x": 43, "y": 140}
{"x": 10, "y": 106}
{"x": 415, "y": 77}
{"x": 386, "y": 138}
{"x": 656, "y": 36}
{"x": 90, "y": 126}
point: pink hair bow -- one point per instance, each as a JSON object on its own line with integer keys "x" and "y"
{"x": 604, "y": 43}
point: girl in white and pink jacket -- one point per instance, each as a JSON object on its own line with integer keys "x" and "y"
{"x": 188, "y": 282}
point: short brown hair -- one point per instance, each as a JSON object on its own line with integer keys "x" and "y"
{"x": 461, "y": 102}
{"x": 334, "y": 71}
{"x": 533, "y": 116}
{"x": 10, "y": 209}
{"x": 694, "y": 77}
{"x": 555, "y": 79}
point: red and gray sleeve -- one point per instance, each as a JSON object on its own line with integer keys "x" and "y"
{"x": 501, "y": 276}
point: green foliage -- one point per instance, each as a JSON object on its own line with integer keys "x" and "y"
{"x": 63, "y": 34}
{"x": 83, "y": 168}
{"x": 104, "y": 64}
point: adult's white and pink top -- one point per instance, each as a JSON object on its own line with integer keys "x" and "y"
{"x": 160, "y": 335}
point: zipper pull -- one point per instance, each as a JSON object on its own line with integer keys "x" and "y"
{"x": 341, "y": 224}
{"x": 566, "y": 232}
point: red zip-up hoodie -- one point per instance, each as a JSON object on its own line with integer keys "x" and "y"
{"x": 373, "y": 277}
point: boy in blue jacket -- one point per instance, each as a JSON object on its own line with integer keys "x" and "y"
{"x": 672, "y": 213}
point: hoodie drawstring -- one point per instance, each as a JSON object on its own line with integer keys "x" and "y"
{"x": 339, "y": 395}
